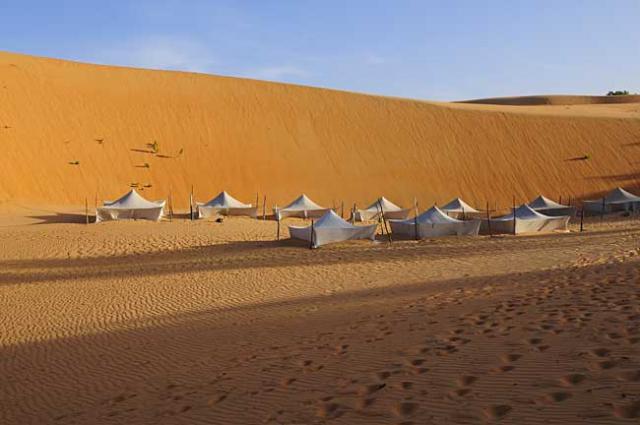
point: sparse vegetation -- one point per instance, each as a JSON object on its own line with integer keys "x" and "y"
{"x": 618, "y": 93}
{"x": 74, "y": 162}
{"x": 155, "y": 147}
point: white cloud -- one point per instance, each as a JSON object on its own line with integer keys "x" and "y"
{"x": 172, "y": 53}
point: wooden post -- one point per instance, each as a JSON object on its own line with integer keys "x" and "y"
{"x": 384, "y": 222}
{"x": 581, "y": 218}
{"x": 489, "y": 219}
{"x": 415, "y": 219}
{"x": 604, "y": 202}
{"x": 353, "y": 213}
{"x": 257, "y": 203}
{"x": 312, "y": 231}
{"x": 278, "y": 230}
{"x": 342, "y": 209}
{"x": 170, "y": 207}
{"x": 86, "y": 211}
{"x": 514, "y": 215}
{"x": 191, "y": 204}
{"x": 264, "y": 208}
{"x": 560, "y": 199}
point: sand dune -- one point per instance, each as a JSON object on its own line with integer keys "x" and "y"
{"x": 72, "y": 131}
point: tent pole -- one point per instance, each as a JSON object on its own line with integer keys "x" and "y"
{"x": 191, "y": 204}
{"x": 384, "y": 222}
{"x": 264, "y": 208}
{"x": 342, "y": 209}
{"x": 581, "y": 218}
{"x": 86, "y": 211}
{"x": 353, "y": 213}
{"x": 415, "y": 218}
{"x": 312, "y": 231}
{"x": 278, "y": 230}
{"x": 170, "y": 207}
{"x": 514, "y": 214}
{"x": 489, "y": 219}
{"x": 603, "y": 207}
{"x": 257, "y": 204}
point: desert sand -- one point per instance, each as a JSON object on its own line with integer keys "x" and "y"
{"x": 204, "y": 322}
{"x": 198, "y": 322}
{"x": 73, "y": 131}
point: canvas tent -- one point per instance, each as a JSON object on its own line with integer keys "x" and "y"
{"x": 616, "y": 200}
{"x": 301, "y": 207}
{"x": 332, "y": 228}
{"x": 131, "y": 206}
{"x": 457, "y": 208}
{"x": 390, "y": 210}
{"x": 225, "y": 204}
{"x": 527, "y": 220}
{"x": 432, "y": 223}
{"x": 548, "y": 207}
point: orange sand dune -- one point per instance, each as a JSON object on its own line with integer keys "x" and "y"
{"x": 71, "y": 131}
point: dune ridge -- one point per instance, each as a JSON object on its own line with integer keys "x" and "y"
{"x": 73, "y": 131}
{"x": 558, "y": 99}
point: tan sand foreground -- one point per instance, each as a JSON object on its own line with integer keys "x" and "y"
{"x": 201, "y": 322}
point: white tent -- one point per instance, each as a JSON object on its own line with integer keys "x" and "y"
{"x": 131, "y": 206}
{"x": 546, "y": 206}
{"x": 458, "y": 208}
{"x": 301, "y": 207}
{"x": 225, "y": 204}
{"x": 432, "y": 223}
{"x": 527, "y": 220}
{"x": 390, "y": 210}
{"x": 616, "y": 200}
{"x": 332, "y": 228}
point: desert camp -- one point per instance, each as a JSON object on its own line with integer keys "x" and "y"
{"x": 340, "y": 213}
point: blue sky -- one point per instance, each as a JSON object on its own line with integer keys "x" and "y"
{"x": 439, "y": 50}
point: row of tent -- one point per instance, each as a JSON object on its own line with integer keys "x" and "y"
{"x": 455, "y": 218}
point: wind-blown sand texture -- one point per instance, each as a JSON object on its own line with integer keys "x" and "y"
{"x": 202, "y": 322}
{"x": 71, "y": 131}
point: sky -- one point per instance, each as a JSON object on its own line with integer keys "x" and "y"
{"x": 435, "y": 50}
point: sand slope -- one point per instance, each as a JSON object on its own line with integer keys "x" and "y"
{"x": 250, "y": 136}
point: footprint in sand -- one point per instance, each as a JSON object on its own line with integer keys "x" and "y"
{"x": 601, "y": 352}
{"x": 630, "y": 376}
{"x": 330, "y": 410}
{"x": 505, "y": 368}
{"x": 466, "y": 380}
{"x": 628, "y": 411}
{"x": 371, "y": 388}
{"x": 572, "y": 379}
{"x": 496, "y": 411}
{"x": 508, "y": 358}
{"x": 558, "y": 396}
{"x": 606, "y": 364}
{"x": 405, "y": 408}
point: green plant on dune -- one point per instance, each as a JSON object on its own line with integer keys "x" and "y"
{"x": 618, "y": 93}
{"x": 155, "y": 147}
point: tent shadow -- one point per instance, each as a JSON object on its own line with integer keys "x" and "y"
{"x": 62, "y": 218}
